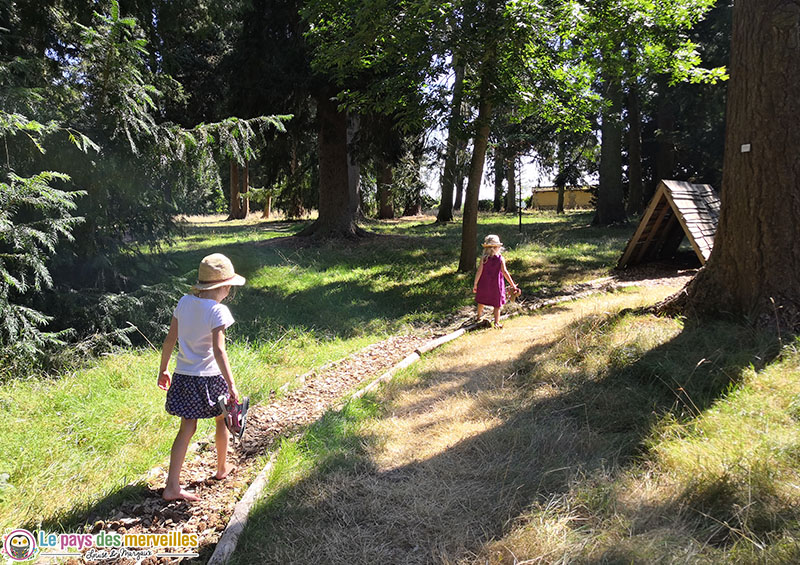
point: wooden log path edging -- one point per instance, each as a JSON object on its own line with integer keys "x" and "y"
{"x": 230, "y": 536}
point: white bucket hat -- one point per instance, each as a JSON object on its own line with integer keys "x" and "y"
{"x": 215, "y": 271}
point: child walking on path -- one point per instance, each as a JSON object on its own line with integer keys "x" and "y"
{"x": 489, "y": 286}
{"x": 202, "y": 371}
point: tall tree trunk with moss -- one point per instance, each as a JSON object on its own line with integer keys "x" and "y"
{"x": 453, "y": 131}
{"x": 336, "y": 210}
{"x": 469, "y": 222}
{"x": 753, "y": 268}
{"x": 610, "y": 201}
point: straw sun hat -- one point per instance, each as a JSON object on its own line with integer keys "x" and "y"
{"x": 215, "y": 271}
{"x": 491, "y": 241}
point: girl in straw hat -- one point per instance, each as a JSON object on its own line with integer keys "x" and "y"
{"x": 489, "y": 286}
{"x": 202, "y": 371}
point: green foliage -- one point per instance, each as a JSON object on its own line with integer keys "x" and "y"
{"x": 102, "y": 94}
{"x": 383, "y": 56}
{"x": 118, "y": 86}
{"x": 33, "y": 216}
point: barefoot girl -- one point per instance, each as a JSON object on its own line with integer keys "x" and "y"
{"x": 489, "y": 286}
{"x": 202, "y": 372}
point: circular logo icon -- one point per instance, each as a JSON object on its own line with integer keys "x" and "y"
{"x": 19, "y": 545}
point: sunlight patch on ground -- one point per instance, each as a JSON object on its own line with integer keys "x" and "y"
{"x": 461, "y": 393}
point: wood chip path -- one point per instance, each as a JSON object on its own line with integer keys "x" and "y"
{"x": 281, "y": 417}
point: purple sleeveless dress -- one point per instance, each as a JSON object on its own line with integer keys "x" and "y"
{"x": 491, "y": 285}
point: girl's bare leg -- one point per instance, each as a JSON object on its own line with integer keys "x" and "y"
{"x": 497, "y": 318}
{"x": 173, "y": 490}
{"x": 480, "y": 311}
{"x": 221, "y": 438}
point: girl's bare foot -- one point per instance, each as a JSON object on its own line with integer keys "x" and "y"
{"x": 180, "y": 494}
{"x": 228, "y": 470}
{"x": 498, "y": 325}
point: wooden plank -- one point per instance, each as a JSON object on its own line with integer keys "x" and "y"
{"x": 648, "y": 214}
{"x": 656, "y": 226}
{"x": 698, "y": 251}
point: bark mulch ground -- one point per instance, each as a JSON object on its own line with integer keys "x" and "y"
{"x": 282, "y": 417}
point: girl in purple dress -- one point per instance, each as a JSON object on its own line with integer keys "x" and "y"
{"x": 489, "y": 286}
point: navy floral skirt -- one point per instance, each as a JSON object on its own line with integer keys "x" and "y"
{"x": 195, "y": 397}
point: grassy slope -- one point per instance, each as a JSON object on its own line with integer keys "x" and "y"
{"x": 77, "y": 440}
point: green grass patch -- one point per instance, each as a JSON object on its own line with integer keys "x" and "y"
{"x": 76, "y": 441}
{"x": 336, "y": 443}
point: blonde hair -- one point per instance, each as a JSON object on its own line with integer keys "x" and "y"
{"x": 487, "y": 251}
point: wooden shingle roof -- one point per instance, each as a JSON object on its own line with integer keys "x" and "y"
{"x": 676, "y": 210}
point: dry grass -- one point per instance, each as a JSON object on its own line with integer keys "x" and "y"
{"x": 463, "y": 448}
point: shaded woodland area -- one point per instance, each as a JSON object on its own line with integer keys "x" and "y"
{"x": 118, "y": 116}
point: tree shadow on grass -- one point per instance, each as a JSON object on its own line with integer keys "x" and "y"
{"x": 444, "y": 507}
{"x": 389, "y": 289}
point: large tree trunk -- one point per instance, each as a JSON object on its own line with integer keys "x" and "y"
{"x": 295, "y": 208}
{"x": 610, "y": 198}
{"x": 511, "y": 180}
{"x": 235, "y": 206}
{"x": 267, "y": 210}
{"x": 635, "y": 186}
{"x": 753, "y": 269}
{"x": 453, "y": 131}
{"x": 665, "y": 143}
{"x": 245, "y": 196}
{"x": 469, "y": 222}
{"x": 336, "y": 209}
{"x": 499, "y": 175}
{"x": 384, "y": 183}
{"x": 462, "y": 146}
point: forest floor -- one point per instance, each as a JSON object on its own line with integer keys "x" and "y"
{"x": 284, "y": 416}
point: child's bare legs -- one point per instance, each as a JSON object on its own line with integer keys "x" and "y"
{"x": 173, "y": 490}
{"x": 496, "y": 313}
{"x": 221, "y": 443}
{"x": 480, "y": 311}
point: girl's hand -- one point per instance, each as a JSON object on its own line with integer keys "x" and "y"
{"x": 475, "y": 289}
{"x": 164, "y": 380}
{"x": 234, "y": 393}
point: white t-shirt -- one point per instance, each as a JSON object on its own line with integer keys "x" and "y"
{"x": 196, "y": 318}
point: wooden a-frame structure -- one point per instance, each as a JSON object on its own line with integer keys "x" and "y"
{"x": 676, "y": 210}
